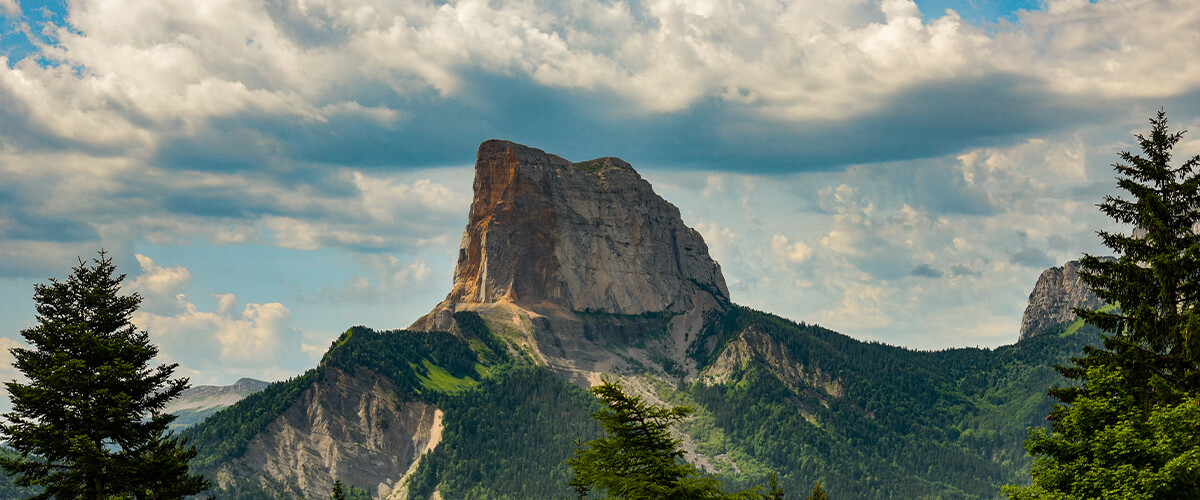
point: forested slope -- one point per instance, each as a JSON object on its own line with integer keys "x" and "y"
{"x": 867, "y": 419}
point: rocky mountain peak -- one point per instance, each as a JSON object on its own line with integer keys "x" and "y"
{"x": 1051, "y": 304}
{"x": 591, "y": 236}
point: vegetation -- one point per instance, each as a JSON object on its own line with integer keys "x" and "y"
{"x": 226, "y": 434}
{"x": 639, "y": 457}
{"x": 878, "y": 422}
{"x": 1129, "y": 427}
{"x": 89, "y": 423}
{"x": 926, "y": 424}
{"x": 8, "y": 489}
{"x": 508, "y": 437}
{"x": 599, "y": 164}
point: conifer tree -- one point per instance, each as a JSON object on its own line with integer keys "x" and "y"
{"x": 640, "y": 458}
{"x": 339, "y": 493}
{"x": 89, "y": 422}
{"x": 1130, "y": 427}
{"x": 818, "y": 493}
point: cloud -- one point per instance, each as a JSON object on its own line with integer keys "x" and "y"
{"x": 961, "y": 270}
{"x": 870, "y": 137}
{"x": 255, "y": 340}
{"x": 1033, "y": 258}
{"x": 8, "y": 372}
{"x": 157, "y": 280}
{"x": 793, "y": 253}
{"x": 925, "y": 271}
{"x": 10, "y": 8}
{"x": 392, "y": 279}
{"x": 789, "y": 86}
{"x": 861, "y": 309}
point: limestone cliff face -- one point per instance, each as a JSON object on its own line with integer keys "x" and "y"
{"x": 1058, "y": 291}
{"x": 590, "y": 237}
{"x": 347, "y": 426}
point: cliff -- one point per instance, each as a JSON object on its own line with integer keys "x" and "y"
{"x": 580, "y": 271}
{"x": 545, "y": 233}
{"x": 1051, "y": 304}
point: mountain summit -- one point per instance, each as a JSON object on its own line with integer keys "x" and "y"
{"x": 573, "y": 273}
{"x": 545, "y": 233}
{"x": 1052, "y": 303}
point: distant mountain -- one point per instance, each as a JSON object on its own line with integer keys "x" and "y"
{"x": 197, "y": 403}
{"x": 573, "y": 272}
{"x": 1059, "y": 290}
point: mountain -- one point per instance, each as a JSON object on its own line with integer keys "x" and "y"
{"x": 1059, "y": 290}
{"x": 573, "y": 259}
{"x": 197, "y": 403}
{"x": 573, "y": 272}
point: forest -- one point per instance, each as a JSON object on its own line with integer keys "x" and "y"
{"x": 947, "y": 424}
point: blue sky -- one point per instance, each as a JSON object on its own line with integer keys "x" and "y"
{"x": 269, "y": 173}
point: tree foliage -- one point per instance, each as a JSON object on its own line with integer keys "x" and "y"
{"x": 1128, "y": 428}
{"x": 90, "y": 422}
{"x": 640, "y": 458}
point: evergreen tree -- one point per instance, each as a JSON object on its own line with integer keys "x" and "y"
{"x": 640, "y": 458}
{"x": 338, "y": 492}
{"x": 775, "y": 492}
{"x": 1129, "y": 429}
{"x": 89, "y": 423}
{"x": 818, "y": 493}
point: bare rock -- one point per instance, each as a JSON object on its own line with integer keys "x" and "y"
{"x": 346, "y": 426}
{"x": 1058, "y": 291}
{"x": 589, "y": 237}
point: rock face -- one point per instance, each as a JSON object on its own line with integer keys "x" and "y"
{"x": 349, "y": 426}
{"x": 1058, "y": 291}
{"x": 589, "y": 237}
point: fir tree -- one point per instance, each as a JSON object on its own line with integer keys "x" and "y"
{"x": 89, "y": 422}
{"x": 640, "y": 458}
{"x": 818, "y": 493}
{"x": 1130, "y": 428}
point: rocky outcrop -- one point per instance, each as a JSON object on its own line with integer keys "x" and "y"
{"x": 1058, "y": 291}
{"x": 545, "y": 233}
{"x": 352, "y": 427}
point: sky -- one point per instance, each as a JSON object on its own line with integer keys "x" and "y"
{"x": 269, "y": 173}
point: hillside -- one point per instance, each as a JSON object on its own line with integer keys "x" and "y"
{"x": 484, "y": 396}
{"x": 197, "y": 403}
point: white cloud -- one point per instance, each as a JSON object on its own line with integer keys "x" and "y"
{"x": 10, "y": 8}
{"x": 861, "y": 309}
{"x": 793, "y": 253}
{"x": 137, "y": 81}
{"x": 1142, "y": 48}
{"x": 8, "y": 372}
{"x": 158, "y": 280}
{"x": 392, "y": 279}
{"x": 255, "y": 340}
{"x": 387, "y": 200}
{"x": 135, "y": 68}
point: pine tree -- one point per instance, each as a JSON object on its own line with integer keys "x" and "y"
{"x": 338, "y": 492}
{"x": 818, "y": 493}
{"x": 640, "y": 458}
{"x": 1130, "y": 427}
{"x": 89, "y": 422}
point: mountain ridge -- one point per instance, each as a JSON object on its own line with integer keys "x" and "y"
{"x": 516, "y": 340}
{"x": 1059, "y": 290}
